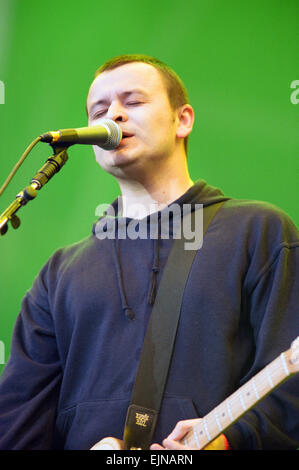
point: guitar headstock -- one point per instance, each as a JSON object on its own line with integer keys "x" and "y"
{"x": 294, "y": 355}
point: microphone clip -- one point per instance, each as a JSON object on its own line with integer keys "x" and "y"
{"x": 51, "y": 167}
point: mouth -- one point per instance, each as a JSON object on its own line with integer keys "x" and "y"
{"x": 126, "y": 135}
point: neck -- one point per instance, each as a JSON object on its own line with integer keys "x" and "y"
{"x": 143, "y": 197}
{"x": 147, "y": 190}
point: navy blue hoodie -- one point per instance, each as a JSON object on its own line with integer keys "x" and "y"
{"x": 77, "y": 340}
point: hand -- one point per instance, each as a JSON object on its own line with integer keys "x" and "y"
{"x": 172, "y": 442}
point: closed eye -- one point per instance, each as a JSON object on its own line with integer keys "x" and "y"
{"x": 98, "y": 114}
{"x": 134, "y": 102}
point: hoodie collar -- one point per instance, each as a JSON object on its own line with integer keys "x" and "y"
{"x": 199, "y": 193}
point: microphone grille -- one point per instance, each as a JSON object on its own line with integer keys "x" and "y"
{"x": 114, "y": 134}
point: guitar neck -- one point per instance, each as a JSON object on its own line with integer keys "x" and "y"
{"x": 237, "y": 404}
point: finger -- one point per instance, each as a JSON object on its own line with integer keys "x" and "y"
{"x": 181, "y": 428}
{"x": 170, "y": 444}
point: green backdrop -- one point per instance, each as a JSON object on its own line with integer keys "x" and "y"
{"x": 238, "y": 60}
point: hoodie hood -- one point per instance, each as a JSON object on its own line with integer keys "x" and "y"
{"x": 112, "y": 224}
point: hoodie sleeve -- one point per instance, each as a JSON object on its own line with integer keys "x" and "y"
{"x": 273, "y": 309}
{"x": 30, "y": 382}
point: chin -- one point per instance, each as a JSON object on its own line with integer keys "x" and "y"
{"x": 116, "y": 162}
{"x": 122, "y": 158}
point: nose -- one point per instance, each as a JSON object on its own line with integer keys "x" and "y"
{"x": 117, "y": 112}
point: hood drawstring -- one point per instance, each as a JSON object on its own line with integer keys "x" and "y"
{"x": 153, "y": 285}
{"x": 124, "y": 303}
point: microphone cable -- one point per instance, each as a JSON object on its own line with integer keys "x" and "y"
{"x": 18, "y": 164}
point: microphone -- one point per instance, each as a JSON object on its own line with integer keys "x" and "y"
{"x": 106, "y": 135}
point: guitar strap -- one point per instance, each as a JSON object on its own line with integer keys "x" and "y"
{"x": 159, "y": 340}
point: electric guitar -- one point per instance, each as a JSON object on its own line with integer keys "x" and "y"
{"x": 236, "y": 405}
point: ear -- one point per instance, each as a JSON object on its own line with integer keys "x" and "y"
{"x": 185, "y": 118}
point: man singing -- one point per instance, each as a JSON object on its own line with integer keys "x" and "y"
{"x": 78, "y": 338}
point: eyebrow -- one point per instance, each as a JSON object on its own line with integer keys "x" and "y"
{"x": 123, "y": 94}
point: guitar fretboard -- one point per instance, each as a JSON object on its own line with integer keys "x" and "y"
{"x": 225, "y": 414}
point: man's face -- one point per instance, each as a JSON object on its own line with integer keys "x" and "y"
{"x": 135, "y": 97}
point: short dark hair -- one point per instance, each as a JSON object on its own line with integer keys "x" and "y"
{"x": 176, "y": 90}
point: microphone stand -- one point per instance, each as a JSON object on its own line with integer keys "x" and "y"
{"x": 46, "y": 172}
